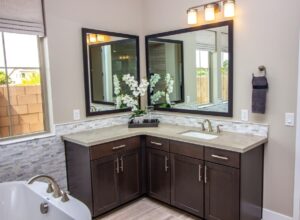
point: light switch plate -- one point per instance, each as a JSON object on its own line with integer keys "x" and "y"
{"x": 76, "y": 114}
{"x": 244, "y": 115}
{"x": 290, "y": 119}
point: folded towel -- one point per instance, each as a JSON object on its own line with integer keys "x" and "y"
{"x": 259, "y": 94}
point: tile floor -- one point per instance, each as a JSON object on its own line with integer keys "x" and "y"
{"x": 146, "y": 209}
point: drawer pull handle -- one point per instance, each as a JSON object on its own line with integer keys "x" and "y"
{"x": 121, "y": 166}
{"x": 166, "y": 164}
{"x": 156, "y": 143}
{"x": 200, "y": 169}
{"x": 219, "y": 157}
{"x": 119, "y": 147}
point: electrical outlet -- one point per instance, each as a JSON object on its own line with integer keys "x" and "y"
{"x": 76, "y": 114}
{"x": 244, "y": 115}
{"x": 290, "y": 119}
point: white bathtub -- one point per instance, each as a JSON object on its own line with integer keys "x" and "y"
{"x": 20, "y": 201}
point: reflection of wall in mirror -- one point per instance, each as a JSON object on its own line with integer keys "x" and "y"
{"x": 211, "y": 88}
{"x": 106, "y": 59}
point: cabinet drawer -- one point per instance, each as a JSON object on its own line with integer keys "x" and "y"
{"x": 158, "y": 143}
{"x": 186, "y": 149}
{"x": 110, "y": 148}
{"x": 224, "y": 157}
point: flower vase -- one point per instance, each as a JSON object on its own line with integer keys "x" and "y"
{"x": 138, "y": 119}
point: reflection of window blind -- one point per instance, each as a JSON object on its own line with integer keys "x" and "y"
{"x": 224, "y": 42}
{"x": 22, "y": 16}
{"x": 207, "y": 47}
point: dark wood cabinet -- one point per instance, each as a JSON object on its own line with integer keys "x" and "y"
{"x": 129, "y": 175}
{"x": 159, "y": 181}
{"x": 221, "y": 192}
{"x": 104, "y": 184}
{"x": 211, "y": 183}
{"x": 187, "y": 184}
{"x": 106, "y": 175}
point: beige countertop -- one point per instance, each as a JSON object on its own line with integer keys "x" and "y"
{"x": 236, "y": 142}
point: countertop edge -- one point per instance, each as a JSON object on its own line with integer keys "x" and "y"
{"x": 140, "y": 133}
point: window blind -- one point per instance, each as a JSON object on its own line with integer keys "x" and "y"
{"x": 22, "y": 16}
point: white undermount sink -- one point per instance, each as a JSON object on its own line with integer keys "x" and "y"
{"x": 200, "y": 135}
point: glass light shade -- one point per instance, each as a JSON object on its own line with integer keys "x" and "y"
{"x": 229, "y": 9}
{"x": 209, "y": 13}
{"x": 192, "y": 16}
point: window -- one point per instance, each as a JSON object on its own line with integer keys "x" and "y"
{"x": 203, "y": 76}
{"x": 22, "y": 109}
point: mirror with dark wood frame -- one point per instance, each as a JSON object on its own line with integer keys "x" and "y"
{"x": 191, "y": 70}
{"x": 107, "y": 57}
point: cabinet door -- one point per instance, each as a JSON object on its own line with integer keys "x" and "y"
{"x": 221, "y": 192}
{"x": 159, "y": 175}
{"x": 187, "y": 184}
{"x": 129, "y": 176}
{"x": 104, "y": 180}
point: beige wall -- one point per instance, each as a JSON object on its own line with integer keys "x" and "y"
{"x": 64, "y": 20}
{"x": 265, "y": 33}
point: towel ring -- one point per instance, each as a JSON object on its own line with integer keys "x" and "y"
{"x": 261, "y": 69}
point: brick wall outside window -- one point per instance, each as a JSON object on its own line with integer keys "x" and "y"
{"x": 26, "y": 110}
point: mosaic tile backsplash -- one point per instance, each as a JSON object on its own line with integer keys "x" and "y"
{"x": 23, "y": 160}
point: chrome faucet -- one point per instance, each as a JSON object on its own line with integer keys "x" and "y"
{"x": 52, "y": 187}
{"x": 209, "y": 128}
{"x": 202, "y": 126}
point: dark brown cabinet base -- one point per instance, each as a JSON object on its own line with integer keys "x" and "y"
{"x": 104, "y": 184}
{"x": 209, "y": 183}
{"x": 187, "y": 187}
{"x": 158, "y": 175}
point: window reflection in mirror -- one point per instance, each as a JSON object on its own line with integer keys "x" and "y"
{"x": 197, "y": 63}
{"x": 109, "y": 56}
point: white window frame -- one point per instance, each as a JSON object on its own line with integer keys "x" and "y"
{"x": 49, "y": 128}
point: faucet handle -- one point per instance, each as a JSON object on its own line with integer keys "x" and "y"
{"x": 50, "y": 188}
{"x": 65, "y": 196}
{"x": 202, "y": 125}
{"x": 218, "y": 128}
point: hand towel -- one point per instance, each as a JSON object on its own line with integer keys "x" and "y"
{"x": 259, "y": 94}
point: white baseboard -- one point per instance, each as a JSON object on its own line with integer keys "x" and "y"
{"x": 271, "y": 215}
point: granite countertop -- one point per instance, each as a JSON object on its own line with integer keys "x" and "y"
{"x": 236, "y": 142}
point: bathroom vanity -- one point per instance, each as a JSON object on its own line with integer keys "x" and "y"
{"x": 221, "y": 178}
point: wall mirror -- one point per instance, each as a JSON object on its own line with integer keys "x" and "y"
{"x": 191, "y": 70}
{"x": 107, "y": 57}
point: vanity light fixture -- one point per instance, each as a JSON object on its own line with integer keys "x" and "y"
{"x": 192, "y": 16}
{"x": 228, "y": 7}
{"x": 209, "y": 12}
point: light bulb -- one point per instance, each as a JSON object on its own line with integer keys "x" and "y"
{"x": 229, "y": 9}
{"x": 192, "y": 16}
{"x": 209, "y": 12}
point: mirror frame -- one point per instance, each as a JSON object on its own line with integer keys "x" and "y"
{"x": 228, "y": 23}
{"x": 87, "y": 87}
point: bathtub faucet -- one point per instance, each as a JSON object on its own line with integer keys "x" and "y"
{"x": 53, "y": 186}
